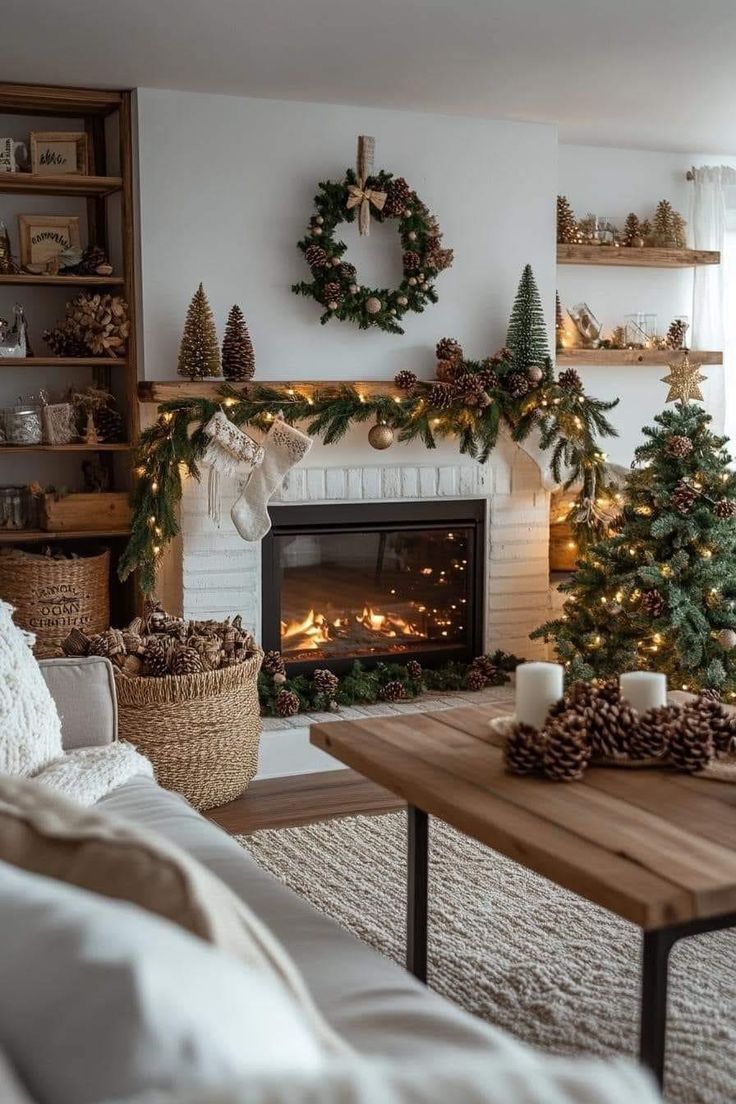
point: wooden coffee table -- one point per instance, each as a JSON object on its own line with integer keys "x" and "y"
{"x": 655, "y": 847}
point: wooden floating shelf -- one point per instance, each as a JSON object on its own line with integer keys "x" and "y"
{"x": 26, "y": 536}
{"x": 113, "y": 447}
{"x": 159, "y": 391}
{"x": 62, "y": 362}
{"x": 635, "y": 356}
{"x": 29, "y": 279}
{"x": 66, "y": 185}
{"x": 626, "y": 256}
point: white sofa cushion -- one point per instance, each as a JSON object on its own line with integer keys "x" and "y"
{"x": 83, "y": 689}
{"x": 100, "y": 1000}
{"x": 30, "y": 730}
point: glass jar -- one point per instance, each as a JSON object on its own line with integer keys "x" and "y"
{"x": 640, "y": 330}
{"x": 23, "y": 424}
{"x": 13, "y": 508}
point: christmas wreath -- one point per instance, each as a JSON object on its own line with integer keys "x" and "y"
{"x": 335, "y": 284}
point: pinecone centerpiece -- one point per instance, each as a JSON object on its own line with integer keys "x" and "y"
{"x": 523, "y": 751}
{"x": 567, "y": 750}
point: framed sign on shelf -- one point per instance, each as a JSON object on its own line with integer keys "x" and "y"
{"x": 59, "y": 152}
{"x": 44, "y": 237}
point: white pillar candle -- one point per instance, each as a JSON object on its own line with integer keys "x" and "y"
{"x": 644, "y": 689}
{"x": 538, "y": 687}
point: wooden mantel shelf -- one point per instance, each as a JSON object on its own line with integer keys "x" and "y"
{"x": 159, "y": 391}
{"x": 635, "y": 356}
{"x": 636, "y": 258}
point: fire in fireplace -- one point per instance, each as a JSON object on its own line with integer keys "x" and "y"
{"x": 374, "y": 582}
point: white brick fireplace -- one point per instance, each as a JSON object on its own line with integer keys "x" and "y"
{"x": 221, "y": 574}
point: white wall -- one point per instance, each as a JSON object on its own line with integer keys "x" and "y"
{"x": 612, "y": 182}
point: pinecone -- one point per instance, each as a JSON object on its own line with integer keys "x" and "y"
{"x": 92, "y": 257}
{"x": 316, "y": 256}
{"x": 725, "y": 508}
{"x": 517, "y": 384}
{"x": 447, "y": 370}
{"x": 414, "y": 670}
{"x": 691, "y": 745}
{"x": 156, "y": 657}
{"x": 721, "y": 722}
{"x": 683, "y": 497}
{"x": 609, "y": 726}
{"x": 566, "y": 752}
{"x": 523, "y": 750}
{"x": 325, "y": 682}
{"x": 405, "y": 380}
{"x": 583, "y": 694}
{"x": 398, "y": 194}
{"x": 209, "y": 650}
{"x": 675, "y": 338}
{"x": 273, "y": 664}
{"x": 76, "y": 644}
{"x": 441, "y": 396}
{"x": 488, "y": 376}
{"x": 475, "y": 679}
{"x": 652, "y": 603}
{"x": 393, "y": 691}
{"x": 411, "y": 260}
{"x": 447, "y": 348}
{"x": 332, "y": 293}
{"x": 679, "y": 446}
{"x": 468, "y": 382}
{"x": 64, "y": 340}
{"x": 570, "y": 380}
{"x": 106, "y": 644}
{"x": 650, "y": 736}
{"x": 186, "y": 661}
{"x": 287, "y": 703}
{"x": 710, "y": 694}
{"x": 486, "y": 666}
{"x": 347, "y": 272}
{"x": 109, "y": 424}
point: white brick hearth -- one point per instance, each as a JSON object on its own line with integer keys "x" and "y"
{"x": 222, "y": 573}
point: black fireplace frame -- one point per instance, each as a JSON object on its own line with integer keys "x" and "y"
{"x": 328, "y": 517}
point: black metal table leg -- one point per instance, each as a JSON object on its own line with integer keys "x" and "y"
{"x": 416, "y": 897}
{"x": 653, "y": 1024}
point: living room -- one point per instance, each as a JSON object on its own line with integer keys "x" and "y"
{"x": 367, "y": 553}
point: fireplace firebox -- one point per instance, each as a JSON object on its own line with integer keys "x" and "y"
{"x": 379, "y": 582}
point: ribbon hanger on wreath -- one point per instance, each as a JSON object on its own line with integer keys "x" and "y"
{"x": 358, "y": 193}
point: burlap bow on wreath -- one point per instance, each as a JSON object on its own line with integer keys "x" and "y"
{"x": 358, "y": 193}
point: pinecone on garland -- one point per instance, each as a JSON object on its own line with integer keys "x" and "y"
{"x": 398, "y": 194}
{"x": 523, "y": 750}
{"x": 679, "y": 446}
{"x": 517, "y": 384}
{"x": 316, "y": 256}
{"x": 447, "y": 370}
{"x": 650, "y": 735}
{"x": 683, "y": 497}
{"x": 691, "y": 745}
{"x": 487, "y": 667}
{"x": 448, "y": 348}
{"x": 468, "y": 382}
{"x": 273, "y": 663}
{"x": 721, "y": 722}
{"x": 411, "y": 261}
{"x": 488, "y": 376}
{"x": 570, "y": 380}
{"x": 652, "y": 603}
{"x": 441, "y": 396}
{"x": 393, "y": 691}
{"x": 325, "y": 682}
{"x": 475, "y": 679}
{"x": 186, "y": 661}
{"x": 286, "y": 703}
{"x": 725, "y": 508}
{"x": 566, "y": 752}
{"x": 405, "y": 380}
{"x": 332, "y": 293}
{"x": 347, "y": 271}
{"x": 414, "y": 670}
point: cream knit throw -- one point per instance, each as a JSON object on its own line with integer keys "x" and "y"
{"x": 30, "y": 729}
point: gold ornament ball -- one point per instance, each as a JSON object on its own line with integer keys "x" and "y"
{"x": 317, "y": 230}
{"x": 393, "y": 310}
{"x": 637, "y": 242}
{"x": 407, "y": 212}
{"x": 727, "y": 639}
{"x": 373, "y": 305}
{"x": 412, "y": 235}
{"x": 402, "y": 301}
{"x": 535, "y": 373}
{"x": 332, "y": 305}
{"x": 380, "y": 436}
{"x": 353, "y": 288}
{"x": 336, "y": 262}
{"x": 319, "y": 220}
{"x": 412, "y": 281}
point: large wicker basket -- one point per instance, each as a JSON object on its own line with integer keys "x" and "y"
{"x": 52, "y": 596}
{"x": 201, "y": 731}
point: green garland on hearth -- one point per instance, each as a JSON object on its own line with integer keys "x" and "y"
{"x": 322, "y": 691}
{"x": 568, "y": 423}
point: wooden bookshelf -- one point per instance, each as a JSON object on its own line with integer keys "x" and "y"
{"x": 159, "y": 391}
{"x": 63, "y": 362}
{"x": 47, "y": 184}
{"x": 635, "y": 356}
{"x": 626, "y": 256}
{"x": 28, "y": 279}
{"x": 36, "y": 536}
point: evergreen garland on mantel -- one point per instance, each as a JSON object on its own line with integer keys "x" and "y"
{"x": 567, "y": 420}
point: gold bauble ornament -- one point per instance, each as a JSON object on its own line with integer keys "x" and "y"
{"x": 727, "y": 639}
{"x": 353, "y": 288}
{"x": 402, "y": 301}
{"x": 412, "y": 235}
{"x": 380, "y": 436}
{"x": 332, "y": 305}
{"x": 317, "y": 230}
{"x": 336, "y": 262}
{"x": 412, "y": 281}
{"x": 535, "y": 373}
{"x": 684, "y": 381}
{"x": 407, "y": 212}
{"x": 373, "y": 305}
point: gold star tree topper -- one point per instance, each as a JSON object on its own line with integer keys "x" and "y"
{"x": 684, "y": 381}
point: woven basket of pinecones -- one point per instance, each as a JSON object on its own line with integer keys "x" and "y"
{"x": 187, "y": 699}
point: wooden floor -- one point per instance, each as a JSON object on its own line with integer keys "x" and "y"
{"x": 302, "y": 799}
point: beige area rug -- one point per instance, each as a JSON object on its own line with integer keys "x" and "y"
{"x": 515, "y": 949}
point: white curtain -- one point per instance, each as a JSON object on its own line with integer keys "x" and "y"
{"x": 714, "y": 293}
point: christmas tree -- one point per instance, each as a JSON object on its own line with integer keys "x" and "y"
{"x": 238, "y": 356}
{"x": 659, "y": 593}
{"x": 632, "y": 230}
{"x": 527, "y": 333}
{"x": 668, "y": 228}
{"x": 199, "y": 353}
{"x": 567, "y": 227}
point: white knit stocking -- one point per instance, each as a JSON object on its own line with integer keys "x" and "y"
{"x": 284, "y": 447}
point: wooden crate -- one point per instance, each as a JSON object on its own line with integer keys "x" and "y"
{"x": 82, "y": 513}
